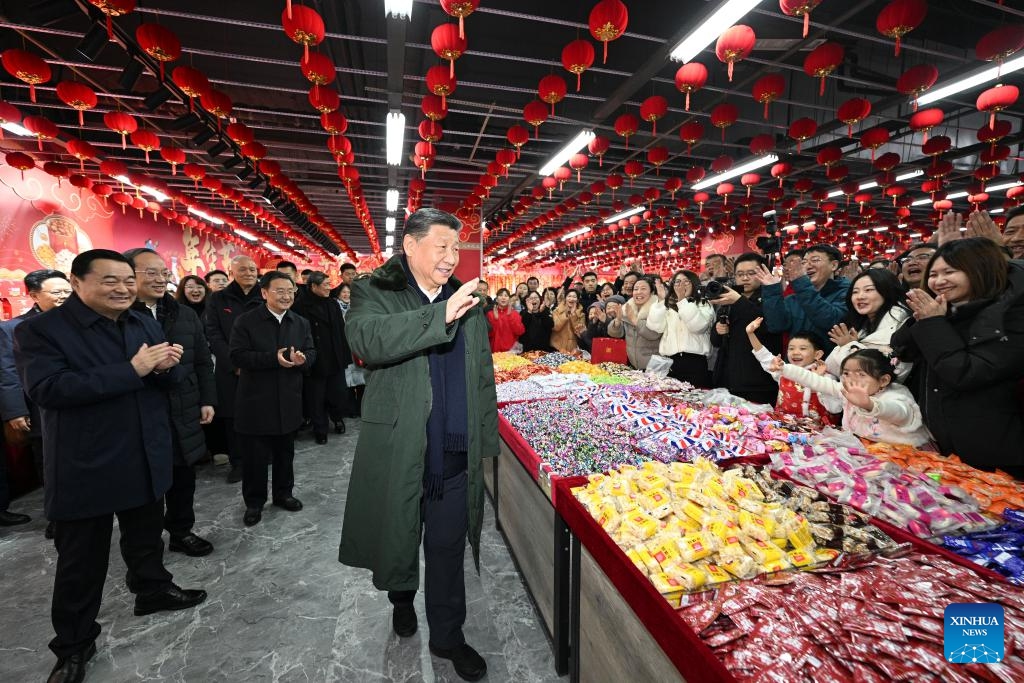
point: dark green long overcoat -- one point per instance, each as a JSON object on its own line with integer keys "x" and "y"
{"x": 391, "y": 329}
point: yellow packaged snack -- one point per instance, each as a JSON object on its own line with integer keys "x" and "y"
{"x": 667, "y": 586}
{"x": 624, "y": 504}
{"x": 775, "y": 566}
{"x": 617, "y": 487}
{"x": 697, "y": 496}
{"x": 715, "y": 489}
{"x": 714, "y": 573}
{"x": 740, "y": 567}
{"x": 664, "y": 552}
{"x": 800, "y": 537}
{"x": 695, "y": 546}
{"x": 640, "y": 525}
{"x": 687, "y": 575}
{"x": 649, "y": 481}
{"x": 608, "y": 517}
{"x": 656, "y": 503}
{"x": 783, "y": 543}
{"x": 634, "y": 557}
{"x": 698, "y": 514}
{"x": 741, "y": 488}
{"x": 648, "y": 560}
{"x": 756, "y": 526}
{"x": 724, "y": 506}
{"x": 800, "y": 558}
{"x": 682, "y": 473}
{"x": 825, "y": 554}
{"x": 762, "y": 551}
{"x": 658, "y": 468}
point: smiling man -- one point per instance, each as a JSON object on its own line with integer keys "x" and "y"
{"x": 429, "y": 417}
{"x": 1013, "y": 233}
{"x": 913, "y": 264}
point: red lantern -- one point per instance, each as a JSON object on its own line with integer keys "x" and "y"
{"x": 577, "y": 57}
{"x": 690, "y": 132}
{"x": 936, "y": 146}
{"x": 781, "y": 170}
{"x": 113, "y": 8}
{"x": 799, "y": 8}
{"x": 335, "y": 123}
{"x": 324, "y": 100}
{"x": 267, "y": 167}
{"x": 217, "y": 103}
{"x": 460, "y": 9}
{"x": 608, "y": 20}
{"x": 599, "y": 147}
{"x": 801, "y": 130}
{"x": 652, "y": 109}
{"x": 77, "y": 96}
{"x": 441, "y": 83}
{"x": 518, "y": 136}
{"x": 673, "y": 185}
{"x": 830, "y": 155}
{"x": 999, "y": 44}
{"x": 505, "y": 158}
{"x": 837, "y": 173}
{"x": 723, "y": 116}
{"x": 81, "y": 150}
{"x": 996, "y": 99}
{"x": 318, "y": 69}
{"x": 578, "y": 162}
{"x": 535, "y": 113}
{"x": 433, "y": 107}
{"x": 734, "y": 45}
{"x": 20, "y": 161}
{"x": 174, "y": 156}
{"x": 925, "y": 120}
{"x": 253, "y": 150}
{"x": 121, "y": 123}
{"x": 762, "y": 144}
{"x": 822, "y": 61}
{"x": 304, "y": 26}
{"x": 448, "y": 43}
{"x": 994, "y": 133}
{"x": 239, "y": 133}
{"x": 158, "y": 42}
{"x": 721, "y": 164}
{"x": 916, "y": 80}
{"x": 657, "y": 156}
{"x": 428, "y": 130}
{"x": 749, "y": 180}
{"x": 767, "y": 89}
{"x": 27, "y": 68}
{"x": 192, "y": 82}
{"x": 873, "y": 139}
{"x": 900, "y": 17}
{"x": 853, "y": 111}
{"x": 8, "y": 114}
{"x": 633, "y": 169}
{"x": 690, "y": 78}
{"x": 146, "y": 140}
{"x": 626, "y": 125}
{"x": 552, "y": 89}
{"x": 42, "y": 128}
{"x": 886, "y": 162}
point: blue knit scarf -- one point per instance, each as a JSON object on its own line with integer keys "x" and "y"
{"x": 447, "y": 425}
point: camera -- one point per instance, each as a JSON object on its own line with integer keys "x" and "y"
{"x": 770, "y": 244}
{"x": 716, "y": 288}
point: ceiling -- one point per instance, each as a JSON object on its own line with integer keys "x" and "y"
{"x": 381, "y": 65}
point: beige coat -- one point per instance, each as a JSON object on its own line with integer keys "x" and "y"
{"x": 641, "y": 341}
{"x": 567, "y": 329}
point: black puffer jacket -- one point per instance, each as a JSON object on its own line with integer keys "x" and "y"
{"x": 967, "y": 366}
{"x": 327, "y": 326}
{"x": 223, "y": 308}
{"x": 538, "y": 330}
{"x": 736, "y": 369}
{"x": 197, "y": 386}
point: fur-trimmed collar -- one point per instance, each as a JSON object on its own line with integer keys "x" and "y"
{"x": 391, "y": 276}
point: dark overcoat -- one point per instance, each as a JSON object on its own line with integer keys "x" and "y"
{"x": 13, "y": 401}
{"x": 222, "y": 310}
{"x": 327, "y": 325}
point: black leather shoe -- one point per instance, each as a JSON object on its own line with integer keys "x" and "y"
{"x": 321, "y": 439}
{"x": 339, "y": 427}
{"x": 168, "y": 600}
{"x": 290, "y": 504}
{"x": 403, "y": 619}
{"x": 13, "y": 518}
{"x": 252, "y": 516}
{"x": 49, "y": 531}
{"x": 468, "y": 663}
{"x": 191, "y": 545}
{"x": 72, "y": 669}
{"x": 235, "y": 475}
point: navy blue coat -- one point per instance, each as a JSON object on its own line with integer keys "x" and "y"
{"x": 13, "y": 402}
{"x": 106, "y": 431}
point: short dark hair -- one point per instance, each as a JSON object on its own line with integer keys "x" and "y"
{"x": 82, "y": 265}
{"x": 914, "y": 247}
{"x": 806, "y": 335}
{"x": 503, "y": 289}
{"x": 347, "y": 266}
{"x": 532, "y": 277}
{"x": 880, "y": 260}
{"x": 752, "y": 256}
{"x": 1014, "y": 212}
{"x": 285, "y": 264}
{"x": 418, "y": 224}
{"x": 306, "y": 271}
{"x": 631, "y": 273}
{"x": 212, "y": 273}
{"x": 711, "y": 256}
{"x": 792, "y": 252}
{"x": 873, "y": 362}
{"x": 34, "y": 280}
{"x": 533, "y": 292}
{"x": 482, "y": 281}
{"x": 983, "y": 262}
{"x": 827, "y": 249}
{"x": 133, "y": 254}
{"x": 272, "y": 275}
{"x": 589, "y": 273}
{"x": 316, "y": 277}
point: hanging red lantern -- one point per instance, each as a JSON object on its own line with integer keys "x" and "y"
{"x": 722, "y": 163}
{"x": 899, "y": 18}
{"x": 8, "y": 114}
{"x": 599, "y": 147}
{"x": 723, "y": 116}
{"x": 80, "y": 181}
{"x": 799, "y": 8}
{"x": 460, "y": 9}
{"x": 837, "y": 173}
{"x": 578, "y": 162}
{"x": 20, "y": 161}
{"x": 552, "y": 89}
{"x": 936, "y": 146}
{"x": 535, "y": 113}
{"x": 318, "y": 69}
{"x": 917, "y": 80}
{"x": 449, "y": 44}
{"x": 192, "y": 82}
{"x": 690, "y": 78}
{"x": 158, "y": 42}
{"x": 873, "y": 139}
{"x": 749, "y": 180}
{"x": 657, "y": 156}
{"x": 27, "y": 68}
{"x": 608, "y": 21}
{"x": 145, "y": 140}
{"x": 767, "y": 89}
{"x": 324, "y": 100}
{"x": 518, "y": 136}
{"x": 829, "y": 155}
{"x": 926, "y": 119}
{"x": 626, "y": 125}
{"x": 267, "y": 167}
{"x": 42, "y": 128}
{"x": 886, "y": 162}
{"x": 77, "y": 96}
{"x": 173, "y": 155}
{"x": 801, "y": 130}
{"x": 734, "y": 45}
{"x": 239, "y": 133}
{"x": 253, "y": 150}
{"x": 690, "y": 132}
{"x": 994, "y": 154}
{"x": 120, "y": 123}
{"x": 335, "y": 123}
{"x": 762, "y": 144}
{"x": 853, "y": 111}
{"x": 673, "y": 185}
{"x": 652, "y": 109}
{"x": 781, "y": 170}
{"x": 823, "y": 61}
{"x": 304, "y": 26}
{"x": 428, "y": 130}
{"x": 992, "y": 134}
{"x": 81, "y": 150}
{"x": 433, "y": 107}
{"x": 998, "y": 45}
{"x": 996, "y": 99}
{"x": 441, "y": 83}
{"x": 217, "y": 103}
{"x": 633, "y": 170}
{"x": 577, "y": 57}
{"x": 113, "y": 8}
{"x": 505, "y": 158}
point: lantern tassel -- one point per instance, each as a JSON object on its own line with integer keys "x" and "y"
{"x": 654, "y": 127}
{"x": 897, "y": 46}
{"x": 807, "y": 23}
{"x": 462, "y": 27}
{"x": 849, "y": 130}
{"x": 305, "y": 52}
{"x": 552, "y": 107}
{"x": 288, "y": 5}
{"x": 605, "y": 61}
{"x": 992, "y": 120}
{"x": 40, "y": 141}
{"x": 110, "y": 29}
{"x": 174, "y": 169}
{"x": 147, "y": 156}
{"x": 687, "y": 100}
{"x": 925, "y": 140}
{"x": 730, "y": 71}
{"x": 81, "y": 165}
{"x": 579, "y": 75}
{"x": 81, "y": 119}
{"x": 766, "y": 110}
{"x": 915, "y": 101}
{"x": 161, "y": 74}
{"x": 124, "y": 143}
{"x": 451, "y": 68}
{"x": 32, "y": 92}
{"x": 821, "y": 90}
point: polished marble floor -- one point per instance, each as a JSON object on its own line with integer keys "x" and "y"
{"x": 281, "y": 608}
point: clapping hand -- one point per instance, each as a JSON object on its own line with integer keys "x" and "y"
{"x": 949, "y": 228}
{"x": 819, "y": 368}
{"x": 777, "y": 364}
{"x": 754, "y": 325}
{"x": 855, "y": 390}
{"x": 659, "y": 288}
{"x": 460, "y": 302}
{"x": 923, "y": 305}
{"x": 980, "y": 224}
{"x": 841, "y": 334}
{"x": 158, "y": 357}
{"x": 297, "y": 357}
{"x": 767, "y": 277}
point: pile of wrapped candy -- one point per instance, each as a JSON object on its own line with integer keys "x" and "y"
{"x": 568, "y": 438}
{"x": 507, "y": 361}
{"x": 879, "y": 622}
{"x": 908, "y": 500}
{"x": 520, "y": 372}
{"x": 1000, "y": 549}
{"x": 580, "y": 367}
{"x": 691, "y": 526}
{"x": 551, "y": 359}
{"x": 539, "y": 387}
{"x": 994, "y": 491}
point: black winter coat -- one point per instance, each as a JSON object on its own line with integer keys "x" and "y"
{"x": 269, "y": 399}
{"x": 197, "y": 387}
{"x": 327, "y": 325}
{"x": 966, "y": 369}
{"x": 538, "y": 330}
{"x": 106, "y": 431}
{"x": 222, "y": 310}
{"x": 14, "y": 403}
{"x": 736, "y": 368}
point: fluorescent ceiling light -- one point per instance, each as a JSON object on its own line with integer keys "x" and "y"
{"x": 766, "y": 214}
{"x": 909, "y": 174}
{"x": 956, "y": 195}
{"x": 727, "y": 14}
{"x": 271, "y": 246}
{"x": 581, "y": 140}
{"x": 389, "y": 224}
{"x": 575, "y": 233}
{"x": 151, "y": 191}
{"x": 753, "y": 164}
{"x": 242, "y": 233}
{"x": 544, "y": 245}
{"x": 625, "y": 214}
{"x": 881, "y": 228}
{"x": 863, "y": 186}
{"x": 267, "y": 201}
{"x": 1004, "y": 186}
{"x": 502, "y": 251}
{"x": 395, "y": 137}
{"x": 207, "y": 217}
{"x": 389, "y": 240}
{"x": 289, "y": 243}
{"x": 402, "y": 9}
{"x": 973, "y": 80}
{"x": 921, "y": 202}
{"x": 996, "y": 211}
{"x": 391, "y": 200}
{"x": 863, "y": 232}
{"x": 17, "y": 129}
{"x": 521, "y": 255}
{"x": 389, "y": 252}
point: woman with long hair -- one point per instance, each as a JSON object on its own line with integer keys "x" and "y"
{"x": 192, "y": 292}
{"x": 569, "y": 324}
{"x": 537, "y": 324}
{"x": 877, "y": 308}
{"x": 631, "y": 324}
{"x": 506, "y": 325}
{"x": 684, "y": 317}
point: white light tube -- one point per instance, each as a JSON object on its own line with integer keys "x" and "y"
{"x": 395, "y": 137}
{"x": 727, "y": 14}
{"x": 581, "y": 140}
{"x": 753, "y": 164}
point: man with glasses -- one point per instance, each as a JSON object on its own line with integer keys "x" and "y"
{"x": 912, "y": 264}
{"x": 192, "y": 399}
{"x": 100, "y": 374}
{"x": 222, "y": 310}
{"x": 217, "y": 280}
{"x": 47, "y": 289}
{"x": 272, "y": 347}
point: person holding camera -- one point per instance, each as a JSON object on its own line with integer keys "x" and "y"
{"x": 631, "y": 324}
{"x": 685, "y": 318}
{"x": 736, "y": 368}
